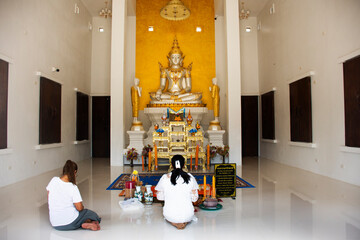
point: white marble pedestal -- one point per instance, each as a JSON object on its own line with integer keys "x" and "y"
{"x": 216, "y": 137}
{"x": 136, "y": 140}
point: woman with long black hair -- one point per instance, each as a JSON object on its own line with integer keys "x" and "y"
{"x": 65, "y": 203}
{"x": 178, "y": 189}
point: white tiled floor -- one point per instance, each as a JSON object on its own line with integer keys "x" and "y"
{"x": 287, "y": 203}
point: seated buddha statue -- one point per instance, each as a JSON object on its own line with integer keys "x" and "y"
{"x": 179, "y": 81}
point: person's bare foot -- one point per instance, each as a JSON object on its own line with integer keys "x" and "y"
{"x": 97, "y": 224}
{"x": 179, "y": 226}
{"x": 90, "y": 226}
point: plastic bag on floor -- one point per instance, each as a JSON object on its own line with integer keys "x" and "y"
{"x": 131, "y": 204}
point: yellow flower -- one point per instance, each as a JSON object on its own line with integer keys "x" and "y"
{"x": 135, "y": 172}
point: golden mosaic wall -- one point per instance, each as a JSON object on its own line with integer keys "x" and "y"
{"x": 153, "y": 47}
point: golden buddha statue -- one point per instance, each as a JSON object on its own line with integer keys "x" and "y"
{"x": 215, "y": 90}
{"x": 179, "y": 81}
{"x": 135, "y": 100}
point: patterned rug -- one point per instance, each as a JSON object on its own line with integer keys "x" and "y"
{"x": 153, "y": 179}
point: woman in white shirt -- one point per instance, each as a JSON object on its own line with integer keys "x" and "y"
{"x": 66, "y": 210}
{"x": 178, "y": 189}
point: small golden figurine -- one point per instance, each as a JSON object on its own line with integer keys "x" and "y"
{"x": 164, "y": 118}
{"x": 189, "y": 119}
{"x": 197, "y": 126}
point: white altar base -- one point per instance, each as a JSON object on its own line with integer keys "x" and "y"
{"x": 216, "y": 137}
{"x": 219, "y": 159}
{"x": 136, "y": 140}
{"x": 155, "y": 114}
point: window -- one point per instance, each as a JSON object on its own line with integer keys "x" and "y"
{"x": 4, "y": 76}
{"x": 268, "y": 115}
{"x": 50, "y": 112}
{"x": 300, "y": 110}
{"x": 352, "y": 101}
{"x": 82, "y": 116}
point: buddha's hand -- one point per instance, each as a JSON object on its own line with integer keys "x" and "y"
{"x": 158, "y": 94}
{"x": 187, "y": 89}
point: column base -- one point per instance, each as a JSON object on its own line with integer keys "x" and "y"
{"x": 136, "y": 140}
{"x": 216, "y": 137}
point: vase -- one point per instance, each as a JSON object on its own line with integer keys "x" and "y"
{"x": 131, "y": 162}
{"x": 148, "y": 195}
{"x": 223, "y": 159}
{"x": 138, "y": 193}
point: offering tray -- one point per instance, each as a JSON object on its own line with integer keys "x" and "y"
{"x": 217, "y": 207}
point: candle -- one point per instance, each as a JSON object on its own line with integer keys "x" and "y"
{"x": 156, "y": 160}
{"x": 149, "y": 164}
{"x": 196, "y": 157}
{"x": 204, "y": 186}
{"x": 190, "y": 162}
{"x": 213, "y": 187}
{"x": 142, "y": 158}
{"x": 208, "y": 156}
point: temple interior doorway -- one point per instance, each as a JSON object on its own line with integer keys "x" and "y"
{"x": 249, "y": 126}
{"x": 101, "y": 126}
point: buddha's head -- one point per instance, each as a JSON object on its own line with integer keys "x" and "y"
{"x": 175, "y": 59}
{"x": 175, "y": 55}
{"x": 214, "y": 81}
{"x": 136, "y": 81}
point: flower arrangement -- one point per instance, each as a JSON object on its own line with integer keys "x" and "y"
{"x": 146, "y": 149}
{"x": 145, "y": 152}
{"x": 213, "y": 151}
{"x": 131, "y": 155}
{"x": 223, "y": 151}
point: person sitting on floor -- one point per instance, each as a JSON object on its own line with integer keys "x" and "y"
{"x": 178, "y": 189}
{"x": 66, "y": 209}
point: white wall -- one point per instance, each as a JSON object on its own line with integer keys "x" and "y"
{"x": 101, "y": 56}
{"x": 36, "y": 37}
{"x": 221, "y": 73}
{"x": 249, "y": 57}
{"x": 305, "y": 36}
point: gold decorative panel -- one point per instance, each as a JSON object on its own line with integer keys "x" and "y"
{"x": 153, "y": 47}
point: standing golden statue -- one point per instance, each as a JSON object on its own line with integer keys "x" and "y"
{"x": 179, "y": 81}
{"x": 215, "y": 90}
{"x": 135, "y": 101}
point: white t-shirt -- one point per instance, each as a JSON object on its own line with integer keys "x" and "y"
{"x": 178, "y": 207}
{"x": 62, "y": 196}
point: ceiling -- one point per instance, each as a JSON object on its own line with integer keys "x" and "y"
{"x": 255, "y": 6}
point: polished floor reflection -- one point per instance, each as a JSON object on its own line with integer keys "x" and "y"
{"x": 287, "y": 203}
